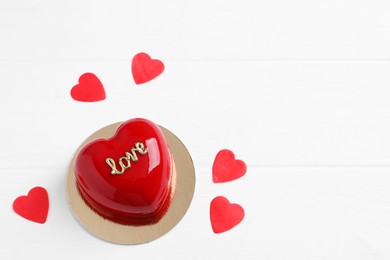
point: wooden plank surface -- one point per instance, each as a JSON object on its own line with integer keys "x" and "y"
{"x": 270, "y": 113}
{"x": 299, "y": 90}
{"x": 300, "y": 213}
{"x": 222, "y": 30}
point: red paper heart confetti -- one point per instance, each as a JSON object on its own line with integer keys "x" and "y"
{"x": 145, "y": 68}
{"x": 226, "y": 167}
{"x": 225, "y": 215}
{"x": 89, "y": 89}
{"x": 34, "y": 206}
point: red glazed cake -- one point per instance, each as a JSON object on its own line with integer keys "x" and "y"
{"x": 128, "y": 178}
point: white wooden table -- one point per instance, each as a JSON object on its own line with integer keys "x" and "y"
{"x": 300, "y": 90}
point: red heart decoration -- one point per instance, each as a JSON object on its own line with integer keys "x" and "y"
{"x": 89, "y": 89}
{"x": 145, "y": 68}
{"x": 226, "y": 167}
{"x": 225, "y": 215}
{"x": 34, "y": 206}
{"x": 128, "y": 191}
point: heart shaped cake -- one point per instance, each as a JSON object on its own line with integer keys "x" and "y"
{"x": 128, "y": 178}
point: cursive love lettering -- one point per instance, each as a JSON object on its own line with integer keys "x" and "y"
{"x": 125, "y": 161}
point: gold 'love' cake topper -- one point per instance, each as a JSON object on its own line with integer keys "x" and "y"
{"x": 125, "y": 161}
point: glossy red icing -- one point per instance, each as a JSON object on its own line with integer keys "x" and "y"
{"x": 142, "y": 193}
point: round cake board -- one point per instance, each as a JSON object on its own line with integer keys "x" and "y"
{"x": 127, "y": 234}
